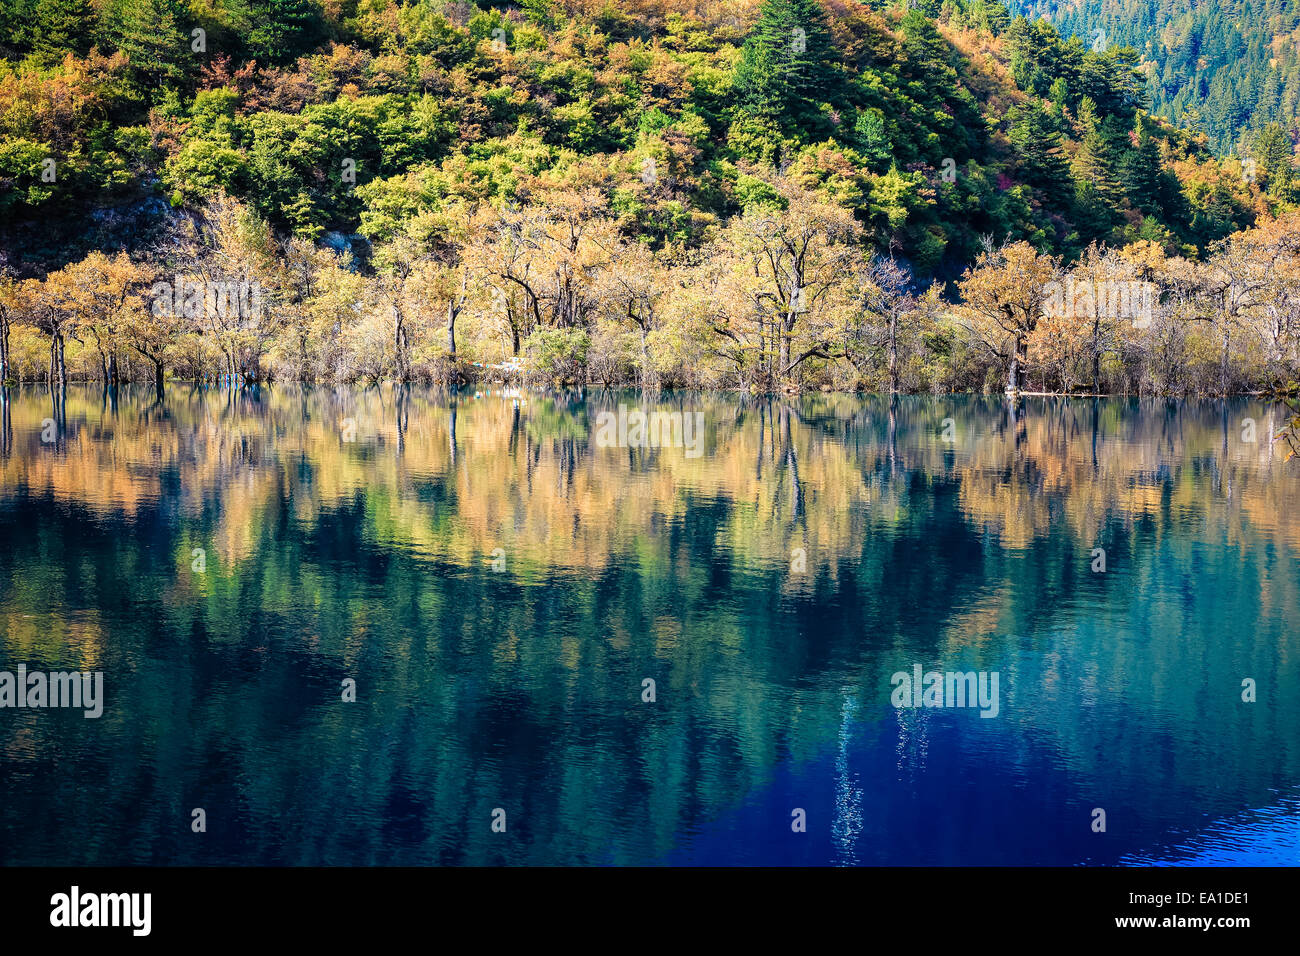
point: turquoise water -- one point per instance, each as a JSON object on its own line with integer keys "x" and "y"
{"x": 500, "y": 586}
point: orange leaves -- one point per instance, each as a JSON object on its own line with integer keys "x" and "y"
{"x": 1009, "y": 287}
{"x": 54, "y": 106}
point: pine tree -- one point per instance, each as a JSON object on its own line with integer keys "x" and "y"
{"x": 1059, "y": 93}
{"x": 153, "y": 34}
{"x": 786, "y": 65}
{"x": 1039, "y": 152}
{"x": 1093, "y": 164}
{"x": 53, "y": 28}
{"x": 1274, "y": 156}
{"x": 1139, "y": 171}
{"x": 873, "y": 139}
{"x": 277, "y": 31}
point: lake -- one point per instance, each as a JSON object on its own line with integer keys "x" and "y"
{"x": 384, "y": 626}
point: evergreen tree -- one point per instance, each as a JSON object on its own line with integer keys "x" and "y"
{"x": 1093, "y": 164}
{"x": 989, "y": 15}
{"x": 153, "y": 34}
{"x": 1274, "y": 155}
{"x": 1139, "y": 171}
{"x": 277, "y": 31}
{"x": 873, "y": 139}
{"x": 1039, "y": 151}
{"x": 52, "y": 28}
{"x": 786, "y": 66}
{"x": 1226, "y": 62}
{"x": 1059, "y": 92}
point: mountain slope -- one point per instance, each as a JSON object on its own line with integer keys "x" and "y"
{"x": 937, "y": 131}
{"x": 1228, "y": 68}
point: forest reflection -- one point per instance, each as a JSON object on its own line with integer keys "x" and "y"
{"x": 500, "y": 587}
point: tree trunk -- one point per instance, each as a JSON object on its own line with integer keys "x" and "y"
{"x": 114, "y": 375}
{"x": 1096, "y": 355}
{"x": 7, "y": 427}
{"x": 785, "y": 347}
{"x": 4, "y": 347}
{"x": 58, "y": 370}
{"x": 1013, "y": 373}
{"x": 645, "y": 359}
{"x": 399, "y": 344}
{"x": 1223, "y": 366}
{"x": 158, "y": 376}
{"x": 893, "y": 353}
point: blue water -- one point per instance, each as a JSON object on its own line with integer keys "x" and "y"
{"x": 499, "y": 586}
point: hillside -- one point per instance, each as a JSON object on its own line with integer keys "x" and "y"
{"x": 704, "y": 193}
{"x": 1229, "y": 69}
{"x": 334, "y": 118}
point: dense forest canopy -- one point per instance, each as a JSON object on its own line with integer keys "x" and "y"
{"x": 710, "y": 193}
{"x": 329, "y": 119}
{"x": 1230, "y": 69}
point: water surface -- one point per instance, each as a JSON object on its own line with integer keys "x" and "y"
{"x": 499, "y": 588}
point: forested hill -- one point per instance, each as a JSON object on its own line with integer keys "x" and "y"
{"x": 348, "y": 121}
{"x": 1229, "y": 68}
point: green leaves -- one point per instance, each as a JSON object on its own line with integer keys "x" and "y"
{"x": 786, "y": 69}
{"x": 1039, "y": 153}
{"x": 876, "y": 110}
{"x": 155, "y": 36}
{"x": 21, "y": 164}
{"x": 50, "y": 28}
{"x": 276, "y": 31}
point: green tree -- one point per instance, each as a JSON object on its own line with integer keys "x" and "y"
{"x": 786, "y": 65}
{"x": 154, "y": 34}
{"x": 1094, "y": 163}
{"x": 52, "y": 28}
{"x": 1039, "y": 152}
{"x": 873, "y": 138}
{"x": 1139, "y": 171}
{"x": 1274, "y": 156}
{"x": 277, "y": 31}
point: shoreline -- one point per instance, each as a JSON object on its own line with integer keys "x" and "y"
{"x": 542, "y": 388}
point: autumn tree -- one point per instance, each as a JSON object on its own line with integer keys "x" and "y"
{"x": 96, "y": 297}
{"x": 1233, "y": 282}
{"x": 446, "y": 283}
{"x": 400, "y": 263}
{"x": 1003, "y": 296}
{"x": 797, "y": 255}
{"x": 325, "y": 294}
{"x": 153, "y": 332}
{"x": 506, "y": 251}
{"x": 890, "y": 316}
{"x": 9, "y": 305}
{"x": 631, "y": 292}
{"x": 228, "y": 286}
